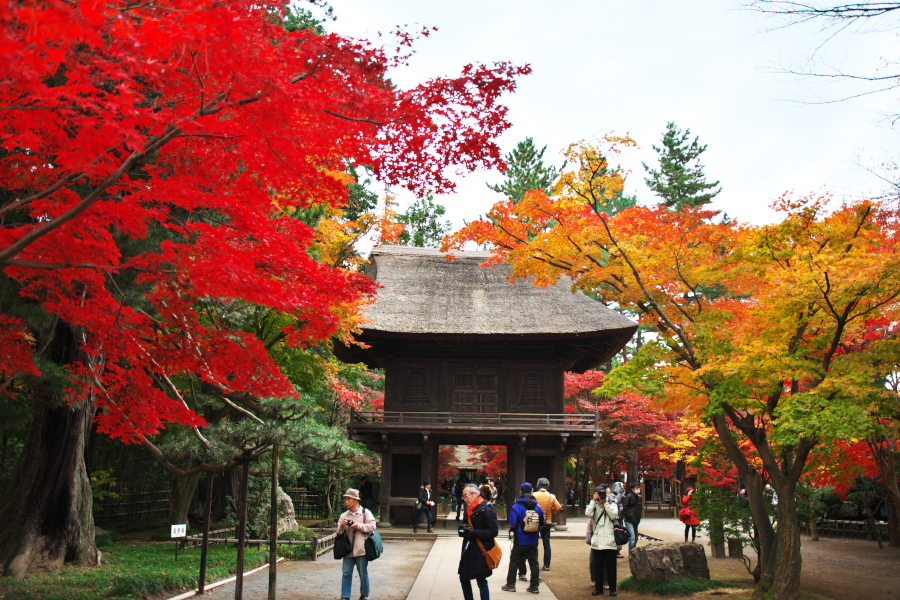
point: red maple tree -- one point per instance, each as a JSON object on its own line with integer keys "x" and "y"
{"x": 155, "y": 156}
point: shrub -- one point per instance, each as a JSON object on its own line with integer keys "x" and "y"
{"x": 296, "y": 552}
{"x": 666, "y": 588}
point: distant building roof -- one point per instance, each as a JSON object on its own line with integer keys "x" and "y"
{"x": 423, "y": 292}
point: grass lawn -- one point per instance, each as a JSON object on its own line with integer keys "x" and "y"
{"x": 131, "y": 570}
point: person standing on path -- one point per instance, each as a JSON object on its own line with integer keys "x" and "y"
{"x": 633, "y": 510}
{"x": 426, "y": 507}
{"x": 550, "y": 505}
{"x": 603, "y": 512}
{"x": 689, "y": 516}
{"x": 480, "y": 525}
{"x": 524, "y": 542}
{"x": 366, "y": 495}
{"x": 356, "y": 523}
{"x": 460, "y": 505}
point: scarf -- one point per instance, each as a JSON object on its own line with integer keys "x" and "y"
{"x": 474, "y": 505}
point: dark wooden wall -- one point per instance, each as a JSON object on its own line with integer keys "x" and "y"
{"x": 434, "y": 385}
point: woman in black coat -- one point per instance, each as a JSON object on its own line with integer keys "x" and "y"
{"x": 472, "y": 564}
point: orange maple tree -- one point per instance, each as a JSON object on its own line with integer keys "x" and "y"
{"x": 759, "y": 323}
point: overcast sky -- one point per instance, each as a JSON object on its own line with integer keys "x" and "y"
{"x": 630, "y": 66}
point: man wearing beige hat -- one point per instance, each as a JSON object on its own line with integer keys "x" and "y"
{"x": 356, "y": 523}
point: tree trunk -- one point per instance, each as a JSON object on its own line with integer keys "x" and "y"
{"x": 882, "y": 448}
{"x": 3, "y": 448}
{"x": 47, "y": 521}
{"x": 185, "y": 488}
{"x": 329, "y": 506}
{"x": 787, "y": 546}
{"x": 813, "y": 530}
{"x": 764, "y": 574}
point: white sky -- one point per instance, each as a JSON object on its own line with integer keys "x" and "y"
{"x": 631, "y": 66}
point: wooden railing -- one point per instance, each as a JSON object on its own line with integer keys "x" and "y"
{"x": 320, "y": 544}
{"x": 437, "y": 419}
{"x": 129, "y": 506}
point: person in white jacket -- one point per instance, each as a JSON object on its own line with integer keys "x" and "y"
{"x": 356, "y": 523}
{"x": 604, "y": 513}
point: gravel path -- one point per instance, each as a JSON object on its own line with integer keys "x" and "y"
{"x": 390, "y": 577}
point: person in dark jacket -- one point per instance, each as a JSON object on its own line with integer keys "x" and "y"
{"x": 525, "y": 544}
{"x": 460, "y": 505}
{"x": 633, "y": 510}
{"x": 426, "y": 507}
{"x": 480, "y": 525}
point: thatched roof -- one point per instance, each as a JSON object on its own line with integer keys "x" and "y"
{"x": 424, "y": 293}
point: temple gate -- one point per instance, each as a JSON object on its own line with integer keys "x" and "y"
{"x": 471, "y": 358}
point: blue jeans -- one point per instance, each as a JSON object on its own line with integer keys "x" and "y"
{"x": 633, "y": 530}
{"x": 429, "y": 521}
{"x": 362, "y": 567}
{"x": 482, "y": 588}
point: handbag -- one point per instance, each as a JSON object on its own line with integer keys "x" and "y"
{"x": 492, "y": 557}
{"x": 374, "y": 545}
{"x": 621, "y": 534}
{"x": 342, "y": 546}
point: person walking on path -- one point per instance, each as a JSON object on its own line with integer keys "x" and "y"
{"x": 426, "y": 507}
{"x": 689, "y": 516}
{"x": 480, "y": 526}
{"x": 633, "y": 510}
{"x": 356, "y": 523}
{"x": 524, "y": 542}
{"x": 603, "y": 512}
{"x": 550, "y": 505}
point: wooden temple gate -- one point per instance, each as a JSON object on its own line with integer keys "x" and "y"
{"x": 471, "y": 358}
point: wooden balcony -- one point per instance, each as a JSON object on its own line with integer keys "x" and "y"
{"x": 396, "y": 421}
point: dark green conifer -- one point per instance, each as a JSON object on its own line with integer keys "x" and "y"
{"x": 680, "y": 180}
{"x": 526, "y": 171}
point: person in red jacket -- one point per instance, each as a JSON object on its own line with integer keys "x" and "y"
{"x": 689, "y": 516}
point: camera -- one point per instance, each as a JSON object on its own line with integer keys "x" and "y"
{"x": 462, "y": 529}
{"x": 350, "y": 522}
{"x": 602, "y": 495}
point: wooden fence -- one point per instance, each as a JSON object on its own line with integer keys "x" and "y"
{"x": 134, "y": 507}
{"x": 307, "y": 505}
{"x": 320, "y": 544}
{"x": 847, "y": 528}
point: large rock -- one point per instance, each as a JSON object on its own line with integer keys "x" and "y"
{"x": 665, "y": 562}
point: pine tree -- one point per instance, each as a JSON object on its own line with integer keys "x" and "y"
{"x": 526, "y": 171}
{"x": 680, "y": 180}
{"x": 423, "y": 225}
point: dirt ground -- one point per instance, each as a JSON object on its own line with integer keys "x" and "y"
{"x": 833, "y": 568}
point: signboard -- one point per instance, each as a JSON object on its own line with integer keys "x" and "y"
{"x": 179, "y": 531}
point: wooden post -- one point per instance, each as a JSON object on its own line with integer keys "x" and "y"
{"x": 558, "y": 485}
{"x": 242, "y": 529}
{"x": 387, "y": 463}
{"x": 273, "y": 531}
{"x": 204, "y": 547}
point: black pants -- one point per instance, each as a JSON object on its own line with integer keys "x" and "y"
{"x": 518, "y": 557}
{"x": 604, "y": 560}
{"x": 545, "y": 538}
